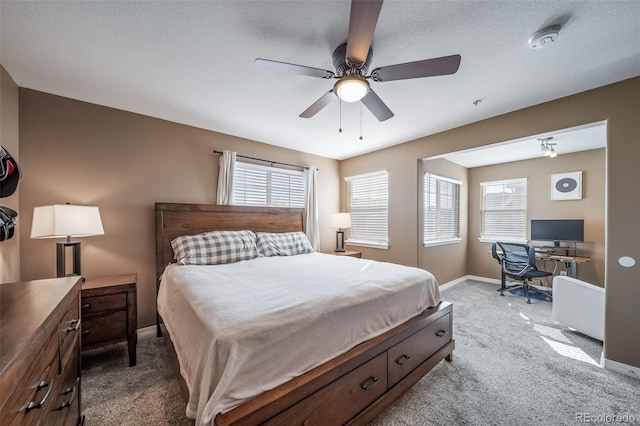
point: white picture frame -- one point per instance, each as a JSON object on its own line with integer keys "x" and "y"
{"x": 566, "y": 186}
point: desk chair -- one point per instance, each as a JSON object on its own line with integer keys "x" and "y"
{"x": 518, "y": 261}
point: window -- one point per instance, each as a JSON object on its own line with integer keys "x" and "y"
{"x": 255, "y": 185}
{"x": 367, "y": 201}
{"x": 504, "y": 210}
{"x": 441, "y": 221}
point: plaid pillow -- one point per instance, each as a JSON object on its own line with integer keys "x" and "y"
{"x": 283, "y": 244}
{"x": 213, "y": 248}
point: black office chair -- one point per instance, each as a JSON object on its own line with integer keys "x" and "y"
{"x": 518, "y": 261}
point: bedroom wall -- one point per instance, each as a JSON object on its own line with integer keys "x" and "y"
{"x": 10, "y": 249}
{"x": 82, "y": 153}
{"x": 619, "y": 105}
{"x": 538, "y": 172}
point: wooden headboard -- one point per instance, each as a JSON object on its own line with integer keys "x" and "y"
{"x": 174, "y": 220}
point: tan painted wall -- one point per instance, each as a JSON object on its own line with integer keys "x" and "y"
{"x": 81, "y": 153}
{"x": 10, "y": 249}
{"x": 619, "y": 105}
{"x": 539, "y": 206}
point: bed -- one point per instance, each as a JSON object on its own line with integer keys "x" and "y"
{"x": 343, "y": 384}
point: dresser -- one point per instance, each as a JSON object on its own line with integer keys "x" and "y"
{"x": 109, "y": 313}
{"x": 40, "y": 352}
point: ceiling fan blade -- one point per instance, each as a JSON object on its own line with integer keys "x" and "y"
{"x": 376, "y": 106}
{"x": 267, "y": 64}
{"x": 425, "y": 68}
{"x": 362, "y": 23}
{"x": 315, "y": 108}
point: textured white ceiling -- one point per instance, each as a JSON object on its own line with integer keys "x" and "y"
{"x": 192, "y": 62}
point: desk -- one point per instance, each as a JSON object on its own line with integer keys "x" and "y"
{"x": 569, "y": 261}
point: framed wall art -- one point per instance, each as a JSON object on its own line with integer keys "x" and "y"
{"x": 566, "y": 186}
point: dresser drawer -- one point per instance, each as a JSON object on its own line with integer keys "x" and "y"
{"x": 32, "y": 396}
{"x": 65, "y": 408}
{"x": 104, "y": 303}
{"x": 417, "y": 348}
{"x": 103, "y": 328}
{"x": 69, "y": 330}
{"x": 346, "y": 397}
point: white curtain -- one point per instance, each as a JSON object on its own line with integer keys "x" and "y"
{"x": 311, "y": 206}
{"x": 225, "y": 177}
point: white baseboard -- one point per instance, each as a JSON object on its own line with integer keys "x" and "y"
{"x": 619, "y": 367}
{"x": 147, "y": 331}
{"x": 468, "y": 277}
{"x": 484, "y": 279}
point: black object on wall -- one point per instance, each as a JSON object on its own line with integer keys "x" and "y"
{"x": 10, "y": 173}
{"x": 7, "y": 223}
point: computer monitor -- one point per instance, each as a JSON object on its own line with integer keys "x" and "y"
{"x": 557, "y": 230}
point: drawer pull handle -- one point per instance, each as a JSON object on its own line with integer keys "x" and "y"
{"x": 441, "y": 333}
{"x": 403, "y": 359}
{"x": 73, "y": 328}
{"x": 67, "y": 391}
{"x": 87, "y": 331}
{"x": 371, "y": 382}
{"x": 73, "y": 321}
{"x": 33, "y": 405}
{"x": 86, "y": 306}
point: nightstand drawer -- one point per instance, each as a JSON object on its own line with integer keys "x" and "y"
{"x": 101, "y": 304}
{"x": 104, "y": 328}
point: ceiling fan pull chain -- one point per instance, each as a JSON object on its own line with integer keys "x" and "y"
{"x": 340, "y": 129}
{"x": 360, "y": 120}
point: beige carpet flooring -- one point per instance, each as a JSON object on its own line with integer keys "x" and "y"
{"x": 512, "y": 366}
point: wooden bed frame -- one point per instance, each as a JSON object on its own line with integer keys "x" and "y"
{"x": 352, "y": 388}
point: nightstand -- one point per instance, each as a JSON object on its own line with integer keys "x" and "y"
{"x": 109, "y": 312}
{"x": 350, "y": 253}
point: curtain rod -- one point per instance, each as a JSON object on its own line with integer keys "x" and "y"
{"x": 266, "y": 161}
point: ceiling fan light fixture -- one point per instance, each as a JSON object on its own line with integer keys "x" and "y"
{"x": 351, "y": 88}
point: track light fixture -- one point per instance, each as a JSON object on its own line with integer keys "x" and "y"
{"x": 547, "y": 147}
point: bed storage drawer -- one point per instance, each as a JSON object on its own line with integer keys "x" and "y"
{"x": 417, "y": 348}
{"x": 346, "y": 396}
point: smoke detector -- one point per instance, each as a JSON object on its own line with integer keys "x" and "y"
{"x": 544, "y": 37}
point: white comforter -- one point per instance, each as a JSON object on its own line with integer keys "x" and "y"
{"x": 243, "y": 328}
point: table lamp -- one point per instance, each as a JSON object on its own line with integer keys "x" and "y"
{"x": 340, "y": 221}
{"x": 66, "y": 221}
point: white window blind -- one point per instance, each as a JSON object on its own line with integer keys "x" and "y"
{"x": 504, "y": 210}
{"x": 441, "y": 219}
{"x": 367, "y": 202}
{"x": 256, "y": 185}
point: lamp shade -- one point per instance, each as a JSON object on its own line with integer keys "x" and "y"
{"x": 66, "y": 220}
{"x": 341, "y": 220}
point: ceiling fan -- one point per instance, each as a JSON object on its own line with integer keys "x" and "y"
{"x": 351, "y": 61}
